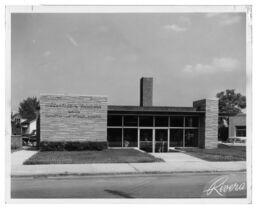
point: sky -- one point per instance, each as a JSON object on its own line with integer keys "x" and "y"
{"x": 190, "y": 56}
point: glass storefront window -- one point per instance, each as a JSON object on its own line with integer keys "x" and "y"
{"x": 130, "y": 120}
{"x": 183, "y": 131}
{"x": 176, "y": 138}
{"x": 176, "y": 121}
{"x": 130, "y": 138}
{"x": 161, "y": 121}
{"x": 191, "y": 138}
{"x": 114, "y": 120}
{"x": 114, "y": 137}
{"x": 191, "y": 121}
{"x": 146, "y": 121}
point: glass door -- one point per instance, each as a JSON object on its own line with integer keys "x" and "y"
{"x": 176, "y": 138}
{"x": 146, "y": 140}
{"x": 161, "y": 140}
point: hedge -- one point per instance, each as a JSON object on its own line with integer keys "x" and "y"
{"x": 72, "y": 146}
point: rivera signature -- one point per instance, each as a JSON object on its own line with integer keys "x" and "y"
{"x": 220, "y": 186}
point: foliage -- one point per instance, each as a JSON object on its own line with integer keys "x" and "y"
{"x": 29, "y": 107}
{"x": 91, "y": 157}
{"x": 222, "y": 153}
{"x": 230, "y": 102}
{"x": 72, "y": 146}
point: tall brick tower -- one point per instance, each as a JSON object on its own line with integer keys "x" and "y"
{"x": 146, "y": 91}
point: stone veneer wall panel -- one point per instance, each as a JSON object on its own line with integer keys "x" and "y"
{"x": 211, "y": 124}
{"x": 208, "y": 132}
{"x": 73, "y": 118}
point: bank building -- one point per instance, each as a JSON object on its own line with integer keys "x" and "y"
{"x": 89, "y": 119}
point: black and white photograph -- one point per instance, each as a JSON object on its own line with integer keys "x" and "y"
{"x": 129, "y": 103}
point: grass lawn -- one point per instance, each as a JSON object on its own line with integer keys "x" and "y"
{"x": 15, "y": 150}
{"x": 222, "y": 153}
{"x": 83, "y": 157}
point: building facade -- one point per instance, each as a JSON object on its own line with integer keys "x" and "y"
{"x": 160, "y": 128}
{"x": 147, "y": 127}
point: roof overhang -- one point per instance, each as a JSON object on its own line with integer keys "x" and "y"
{"x": 114, "y": 109}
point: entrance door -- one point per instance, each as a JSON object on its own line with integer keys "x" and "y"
{"x": 176, "y": 138}
{"x": 146, "y": 140}
{"x": 161, "y": 140}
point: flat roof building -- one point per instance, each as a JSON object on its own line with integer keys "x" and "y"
{"x": 147, "y": 127}
{"x": 159, "y": 128}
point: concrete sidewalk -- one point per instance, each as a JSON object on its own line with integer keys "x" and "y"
{"x": 174, "y": 162}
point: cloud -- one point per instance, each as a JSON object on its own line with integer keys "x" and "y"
{"x": 230, "y": 20}
{"x": 226, "y": 63}
{"x": 72, "y": 40}
{"x": 185, "y": 20}
{"x": 47, "y": 53}
{"x": 216, "y": 65}
{"x": 225, "y": 19}
{"x": 182, "y": 25}
{"x": 175, "y": 28}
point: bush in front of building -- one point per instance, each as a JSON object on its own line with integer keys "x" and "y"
{"x": 16, "y": 141}
{"x": 72, "y": 146}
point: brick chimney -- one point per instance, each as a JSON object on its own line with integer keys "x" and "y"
{"x": 146, "y": 91}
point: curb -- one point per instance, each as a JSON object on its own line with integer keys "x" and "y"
{"x": 65, "y": 174}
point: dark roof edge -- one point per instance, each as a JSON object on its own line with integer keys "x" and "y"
{"x": 151, "y": 108}
{"x": 228, "y": 115}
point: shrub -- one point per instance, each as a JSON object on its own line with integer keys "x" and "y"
{"x": 72, "y": 146}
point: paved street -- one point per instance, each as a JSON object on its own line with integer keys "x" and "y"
{"x": 228, "y": 184}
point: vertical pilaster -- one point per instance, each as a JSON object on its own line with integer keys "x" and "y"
{"x": 208, "y": 126}
{"x": 153, "y": 140}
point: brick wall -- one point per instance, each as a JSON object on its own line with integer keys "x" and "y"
{"x": 208, "y": 131}
{"x": 239, "y": 120}
{"x": 73, "y": 118}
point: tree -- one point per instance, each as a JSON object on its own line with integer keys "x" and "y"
{"x": 28, "y": 108}
{"x": 230, "y": 102}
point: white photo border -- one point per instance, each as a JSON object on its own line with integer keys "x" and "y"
{"x": 131, "y": 9}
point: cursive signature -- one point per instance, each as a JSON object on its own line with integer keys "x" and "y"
{"x": 220, "y": 186}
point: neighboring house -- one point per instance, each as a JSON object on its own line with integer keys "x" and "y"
{"x": 28, "y": 126}
{"x": 16, "y": 137}
{"x": 237, "y": 126}
{"x": 15, "y": 123}
{"x": 21, "y": 126}
{"x": 29, "y": 131}
{"x": 24, "y": 130}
